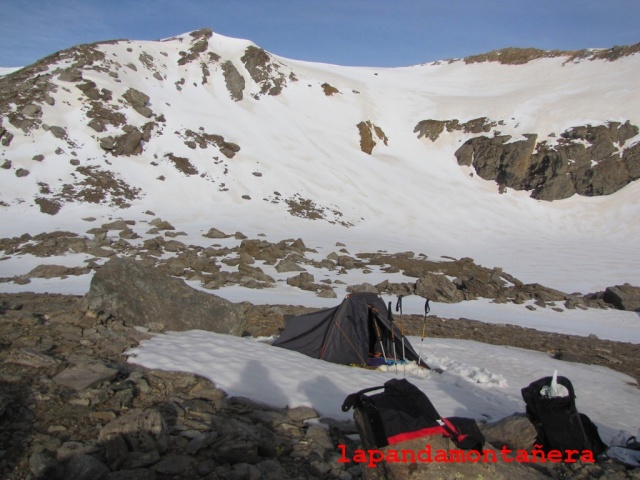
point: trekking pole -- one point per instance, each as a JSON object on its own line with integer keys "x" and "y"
{"x": 399, "y": 304}
{"x": 399, "y": 308}
{"x": 424, "y": 326}
{"x": 404, "y": 358}
{"x": 393, "y": 337}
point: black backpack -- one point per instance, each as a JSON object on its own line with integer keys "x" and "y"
{"x": 558, "y": 423}
{"x": 403, "y": 412}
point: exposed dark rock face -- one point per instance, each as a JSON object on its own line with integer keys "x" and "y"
{"x": 203, "y": 140}
{"x": 367, "y": 130}
{"x": 519, "y": 56}
{"x": 90, "y": 89}
{"x": 138, "y": 101}
{"x": 264, "y": 71}
{"x": 199, "y": 45}
{"x": 126, "y": 144}
{"x": 587, "y": 160}
{"x": 5, "y": 136}
{"x": 141, "y": 296}
{"x": 183, "y": 164}
{"x": 48, "y": 206}
{"x": 94, "y": 185}
{"x": 498, "y": 159}
{"x": 433, "y": 128}
{"x": 329, "y": 90}
{"x": 233, "y": 80}
{"x": 101, "y": 116}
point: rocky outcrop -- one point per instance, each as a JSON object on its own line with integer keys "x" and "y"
{"x": 126, "y": 144}
{"x": 433, "y": 128}
{"x": 367, "y": 130}
{"x": 233, "y": 80}
{"x": 264, "y": 70}
{"x": 92, "y": 185}
{"x": 450, "y": 281}
{"x": 139, "y": 295}
{"x": 329, "y": 89}
{"x": 588, "y": 160}
{"x": 5, "y": 136}
{"x": 519, "y": 56}
{"x": 138, "y": 100}
{"x": 498, "y": 159}
{"x": 203, "y": 140}
{"x": 199, "y": 44}
{"x": 182, "y": 164}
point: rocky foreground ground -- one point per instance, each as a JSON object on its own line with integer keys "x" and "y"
{"x": 71, "y": 407}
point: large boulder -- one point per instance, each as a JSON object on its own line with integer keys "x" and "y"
{"x": 623, "y": 297}
{"x": 516, "y": 432}
{"x": 141, "y": 296}
{"x": 438, "y": 288}
{"x": 132, "y": 434}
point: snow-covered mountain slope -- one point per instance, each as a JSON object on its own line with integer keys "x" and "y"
{"x": 439, "y": 158}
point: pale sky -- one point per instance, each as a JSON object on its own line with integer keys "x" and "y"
{"x": 383, "y": 33}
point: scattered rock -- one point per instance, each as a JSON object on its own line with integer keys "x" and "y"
{"x": 287, "y": 265}
{"x": 58, "y": 132}
{"x": 215, "y": 233}
{"x": 86, "y": 375}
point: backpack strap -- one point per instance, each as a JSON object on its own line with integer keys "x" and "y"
{"x": 464, "y": 441}
{"x": 352, "y": 399}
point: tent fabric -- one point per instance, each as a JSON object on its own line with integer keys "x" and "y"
{"x": 347, "y": 333}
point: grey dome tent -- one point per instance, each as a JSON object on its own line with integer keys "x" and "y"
{"x": 349, "y": 333}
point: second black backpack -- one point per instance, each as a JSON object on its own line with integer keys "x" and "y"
{"x": 558, "y": 423}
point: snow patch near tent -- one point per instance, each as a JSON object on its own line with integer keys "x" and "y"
{"x": 479, "y": 381}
